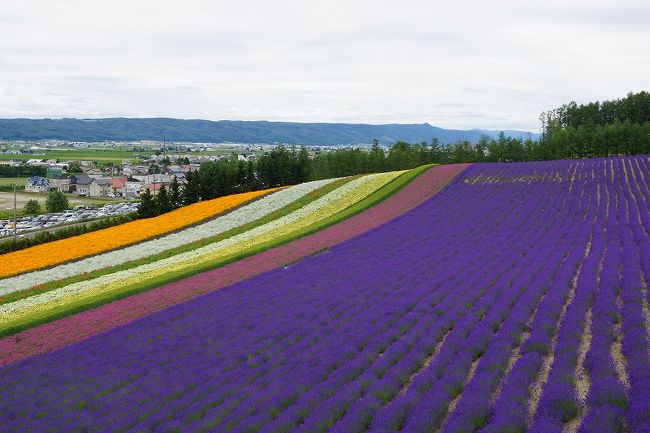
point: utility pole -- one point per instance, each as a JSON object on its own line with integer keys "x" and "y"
{"x": 15, "y": 223}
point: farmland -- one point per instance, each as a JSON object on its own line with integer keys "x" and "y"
{"x": 104, "y": 155}
{"x": 489, "y": 297}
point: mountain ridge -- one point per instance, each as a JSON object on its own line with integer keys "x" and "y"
{"x": 239, "y": 131}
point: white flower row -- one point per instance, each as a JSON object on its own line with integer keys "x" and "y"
{"x": 236, "y": 218}
{"x": 319, "y": 209}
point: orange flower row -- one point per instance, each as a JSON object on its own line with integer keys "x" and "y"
{"x": 64, "y": 250}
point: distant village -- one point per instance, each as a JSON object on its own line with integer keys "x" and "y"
{"x": 87, "y": 178}
{"x": 126, "y": 180}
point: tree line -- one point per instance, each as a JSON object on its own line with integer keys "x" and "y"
{"x": 21, "y": 171}
{"x": 619, "y": 127}
{"x": 597, "y": 129}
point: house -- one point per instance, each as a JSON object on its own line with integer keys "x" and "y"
{"x": 118, "y": 185}
{"x": 100, "y": 187}
{"x": 80, "y": 183}
{"x": 93, "y": 172}
{"x": 60, "y": 184}
{"x": 37, "y": 184}
{"x": 132, "y": 187}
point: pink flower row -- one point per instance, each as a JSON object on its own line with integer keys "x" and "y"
{"x": 54, "y": 335}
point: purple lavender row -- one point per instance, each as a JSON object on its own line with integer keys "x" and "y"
{"x": 384, "y": 389}
{"x": 559, "y": 401}
{"x": 397, "y": 413}
{"x": 344, "y": 425}
{"x": 607, "y": 397}
{"x": 495, "y": 322}
{"x": 475, "y": 415}
{"x": 473, "y": 409}
{"x": 308, "y": 401}
{"x": 509, "y": 412}
{"x": 634, "y": 240}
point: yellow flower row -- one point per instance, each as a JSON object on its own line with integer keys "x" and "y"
{"x": 64, "y": 250}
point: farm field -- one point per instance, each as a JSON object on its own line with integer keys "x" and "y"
{"x": 504, "y": 298}
{"x": 5, "y": 181}
{"x": 47, "y": 337}
{"x": 71, "y": 286}
{"x": 105, "y": 155}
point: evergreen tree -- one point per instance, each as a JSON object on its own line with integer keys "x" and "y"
{"x": 175, "y": 193}
{"x": 163, "y": 201}
{"x": 192, "y": 190}
{"x": 148, "y": 207}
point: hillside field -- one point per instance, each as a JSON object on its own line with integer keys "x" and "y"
{"x": 491, "y": 297}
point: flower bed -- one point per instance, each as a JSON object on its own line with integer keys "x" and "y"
{"x": 65, "y": 331}
{"x": 64, "y": 250}
{"x": 221, "y": 224}
{"x": 71, "y": 298}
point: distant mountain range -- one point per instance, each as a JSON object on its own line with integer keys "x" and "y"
{"x": 237, "y": 131}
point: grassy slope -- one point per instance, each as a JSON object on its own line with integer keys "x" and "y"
{"x": 374, "y": 198}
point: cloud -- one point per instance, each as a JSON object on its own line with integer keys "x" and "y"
{"x": 460, "y": 64}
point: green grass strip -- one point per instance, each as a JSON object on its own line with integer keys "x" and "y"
{"x": 301, "y": 202}
{"x": 377, "y": 196}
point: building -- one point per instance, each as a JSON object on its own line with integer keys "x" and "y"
{"x": 93, "y": 172}
{"x": 101, "y": 187}
{"x": 54, "y": 172}
{"x": 37, "y": 184}
{"x": 60, "y": 184}
{"x": 80, "y": 184}
{"x": 118, "y": 184}
{"x": 132, "y": 187}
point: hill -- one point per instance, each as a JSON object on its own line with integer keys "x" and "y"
{"x": 238, "y": 131}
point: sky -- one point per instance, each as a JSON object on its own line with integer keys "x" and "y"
{"x": 454, "y": 64}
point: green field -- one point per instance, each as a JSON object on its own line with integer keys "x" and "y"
{"x": 103, "y": 155}
{"x": 114, "y": 156}
{"x": 5, "y": 181}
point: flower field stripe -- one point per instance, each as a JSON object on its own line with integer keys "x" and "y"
{"x": 411, "y": 358}
{"x": 467, "y": 352}
{"x": 195, "y": 235}
{"x": 416, "y": 188}
{"x": 635, "y": 267}
{"x": 64, "y": 250}
{"x": 44, "y": 306}
{"x": 184, "y": 248}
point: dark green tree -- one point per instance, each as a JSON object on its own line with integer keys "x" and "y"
{"x": 56, "y": 201}
{"x": 32, "y": 207}
{"x": 175, "y": 193}
{"x": 148, "y": 206}
{"x": 74, "y": 167}
{"x": 163, "y": 201}
{"x": 192, "y": 190}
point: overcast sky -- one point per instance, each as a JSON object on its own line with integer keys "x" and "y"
{"x": 459, "y": 64}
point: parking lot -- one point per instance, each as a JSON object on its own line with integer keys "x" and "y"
{"x": 77, "y": 214}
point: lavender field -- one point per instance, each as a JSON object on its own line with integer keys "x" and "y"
{"x": 514, "y": 300}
